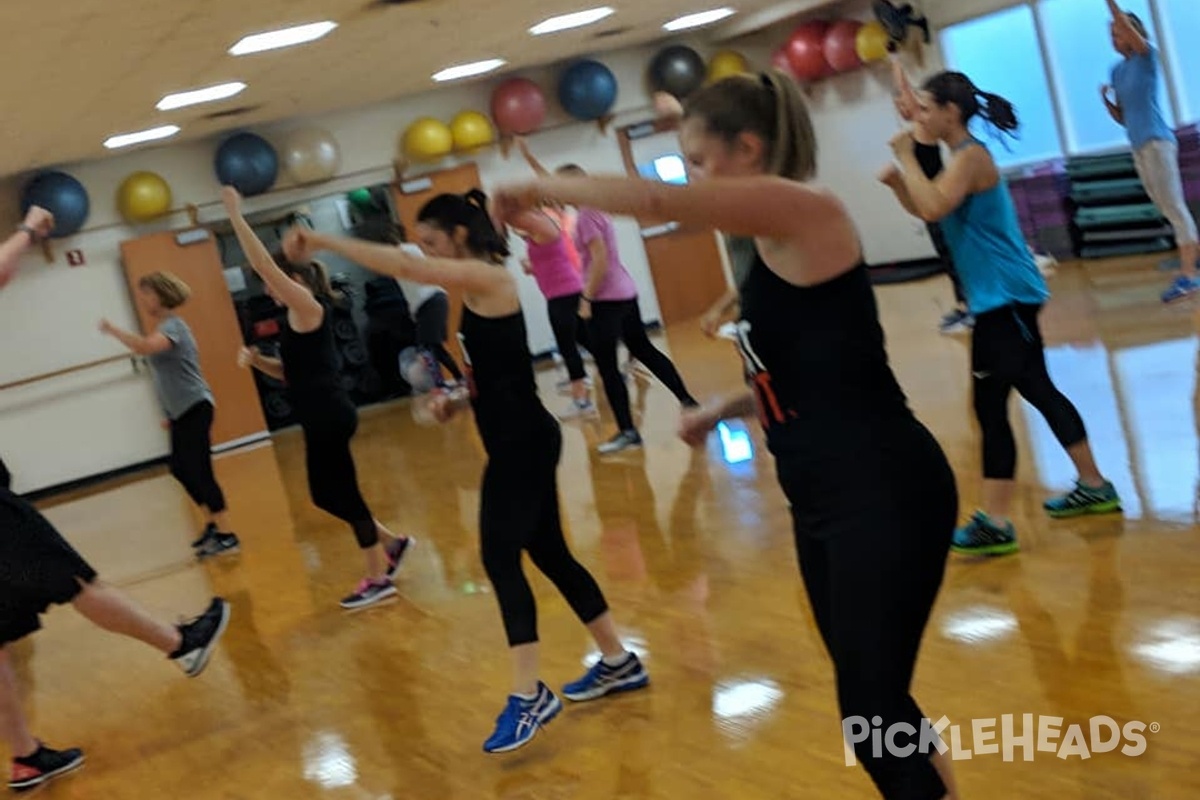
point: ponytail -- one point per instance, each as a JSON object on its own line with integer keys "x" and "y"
{"x": 448, "y": 212}
{"x": 314, "y": 275}
{"x": 957, "y": 88}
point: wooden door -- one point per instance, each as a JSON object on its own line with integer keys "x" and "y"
{"x": 685, "y": 263}
{"x": 410, "y": 195}
{"x": 211, "y": 315}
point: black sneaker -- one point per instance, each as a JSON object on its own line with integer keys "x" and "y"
{"x": 210, "y": 530}
{"x": 219, "y": 544}
{"x": 369, "y": 593}
{"x": 625, "y": 440}
{"x": 396, "y": 550}
{"x": 42, "y": 766}
{"x": 200, "y": 637}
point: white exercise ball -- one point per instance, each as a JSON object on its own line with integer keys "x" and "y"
{"x": 311, "y": 155}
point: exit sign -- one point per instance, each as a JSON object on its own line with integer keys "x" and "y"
{"x": 75, "y": 258}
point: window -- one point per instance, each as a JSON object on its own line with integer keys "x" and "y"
{"x": 1081, "y": 59}
{"x": 1178, "y": 17}
{"x": 1000, "y": 53}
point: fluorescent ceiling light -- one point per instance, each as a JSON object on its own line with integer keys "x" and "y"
{"x": 150, "y": 135}
{"x": 696, "y": 20}
{"x": 469, "y": 70}
{"x": 195, "y": 96}
{"x": 284, "y": 37}
{"x": 564, "y": 22}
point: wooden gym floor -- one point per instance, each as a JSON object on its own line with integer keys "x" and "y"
{"x": 1094, "y": 617}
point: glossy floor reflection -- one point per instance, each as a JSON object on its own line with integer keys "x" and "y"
{"x": 1094, "y": 617}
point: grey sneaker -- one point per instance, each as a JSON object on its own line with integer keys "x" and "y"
{"x": 625, "y": 440}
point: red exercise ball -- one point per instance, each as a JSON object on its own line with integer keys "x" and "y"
{"x": 806, "y": 51}
{"x": 518, "y": 107}
{"x": 841, "y": 46}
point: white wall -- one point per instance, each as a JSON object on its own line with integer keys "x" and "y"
{"x": 107, "y": 418}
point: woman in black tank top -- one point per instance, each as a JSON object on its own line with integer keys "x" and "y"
{"x": 873, "y": 498}
{"x": 519, "y": 499}
{"x": 308, "y": 365}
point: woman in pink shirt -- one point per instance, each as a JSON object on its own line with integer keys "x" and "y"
{"x": 610, "y": 304}
{"x": 548, "y": 260}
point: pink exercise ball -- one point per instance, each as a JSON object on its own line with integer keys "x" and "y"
{"x": 518, "y": 107}
{"x": 806, "y": 51}
{"x": 841, "y": 46}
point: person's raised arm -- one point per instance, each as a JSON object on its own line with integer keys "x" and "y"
{"x": 532, "y": 161}
{"x": 1126, "y": 27}
{"x": 906, "y": 98}
{"x": 296, "y": 297}
{"x": 755, "y": 206}
{"x": 37, "y": 225}
{"x": 474, "y": 277}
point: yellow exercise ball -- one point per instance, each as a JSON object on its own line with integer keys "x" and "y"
{"x": 871, "y": 44}
{"x": 471, "y": 130}
{"x": 428, "y": 139}
{"x": 725, "y": 64}
{"x": 143, "y": 196}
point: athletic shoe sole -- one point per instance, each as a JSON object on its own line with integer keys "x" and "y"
{"x": 987, "y": 550}
{"x": 1110, "y": 507}
{"x": 21, "y": 786}
{"x": 376, "y": 598}
{"x": 627, "y": 685}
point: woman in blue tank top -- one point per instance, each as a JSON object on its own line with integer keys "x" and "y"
{"x": 1005, "y": 292}
{"x": 1132, "y": 102}
{"x": 518, "y": 503}
{"x": 872, "y": 496}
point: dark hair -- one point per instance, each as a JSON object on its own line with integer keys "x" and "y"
{"x": 957, "y": 88}
{"x": 768, "y": 105}
{"x": 448, "y": 212}
{"x": 1137, "y": 24}
{"x": 381, "y": 231}
{"x": 313, "y": 275}
{"x": 570, "y": 169}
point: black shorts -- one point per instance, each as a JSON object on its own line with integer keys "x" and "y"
{"x": 38, "y": 568}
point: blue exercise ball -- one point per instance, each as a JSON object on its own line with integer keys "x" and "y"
{"x": 61, "y": 195}
{"x": 248, "y": 163}
{"x": 587, "y": 90}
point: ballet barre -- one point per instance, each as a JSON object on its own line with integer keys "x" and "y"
{"x": 69, "y": 370}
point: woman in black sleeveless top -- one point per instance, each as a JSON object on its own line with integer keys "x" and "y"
{"x": 328, "y": 417}
{"x": 873, "y": 498}
{"x": 519, "y": 499}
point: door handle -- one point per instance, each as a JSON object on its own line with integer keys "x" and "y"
{"x": 659, "y": 230}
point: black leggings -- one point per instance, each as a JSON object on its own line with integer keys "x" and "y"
{"x": 872, "y": 543}
{"x": 191, "y": 457}
{"x": 615, "y": 321}
{"x": 1007, "y": 354}
{"x": 518, "y": 512}
{"x": 564, "y": 321}
{"x": 332, "y": 477}
{"x": 432, "y": 325}
{"x": 943, "y": 250}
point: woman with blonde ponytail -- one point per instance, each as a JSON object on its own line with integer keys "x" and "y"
{"x": 872, "y": 495}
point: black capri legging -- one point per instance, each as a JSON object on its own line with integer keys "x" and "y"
{"x": 1007, "y": 353}
{"x": 518, "y": 512}
{"x": 332, "y": 476}
{"x": 564, "y": 321}
{"x": 872, "y": 535}
{"x": 432, "y": 325}
{"x": 615, "y": 321}
{"x": 191, "y": 457}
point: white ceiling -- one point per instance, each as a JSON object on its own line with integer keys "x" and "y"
{"x": 79, "y": 71}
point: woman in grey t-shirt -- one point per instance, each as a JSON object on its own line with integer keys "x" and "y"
{"x": 186, "y": 401}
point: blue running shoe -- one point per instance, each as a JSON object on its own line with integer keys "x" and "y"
{"x": 1181, "y": 288}
{"x": 1084, "y": 500}
{"x": 983, "y": 537}
{"x": 521, "y": 719}
{"x": 602, "y": 679}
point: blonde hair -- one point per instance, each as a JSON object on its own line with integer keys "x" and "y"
{"x": 170, "y": 290}
{"x": 768, "y": 105}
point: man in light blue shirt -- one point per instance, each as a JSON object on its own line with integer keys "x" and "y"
{"x": 1155, "y": 148}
